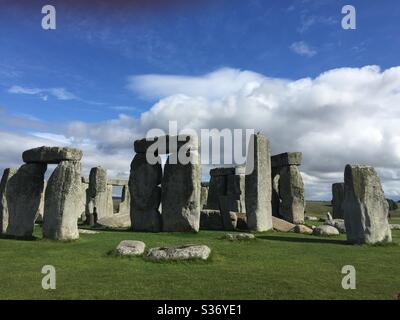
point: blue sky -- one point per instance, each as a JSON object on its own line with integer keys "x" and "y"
{"x": 82, "y": 71}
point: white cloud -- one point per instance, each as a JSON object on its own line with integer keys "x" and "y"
{"x": 346, "y": 115}
{"x": 58, "y": 93}
{"x": 303, "y": 49}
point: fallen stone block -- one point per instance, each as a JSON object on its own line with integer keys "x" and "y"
{"x": 325, "y": 230}
{"x": 188, "y": 252}
{"x": 130, "y": 248}
{"x": 282, "y": 225}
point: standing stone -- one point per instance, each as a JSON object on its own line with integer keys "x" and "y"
{"x": 63, "y": 193}
{"x": 287, "y": 187}
{"x": 258, "y": 184}
{"x": 125, "y": 204}
{"x": 40, "y": 212}
{"x": 204, "y": 194}
{"x": 23, "y": 194}
{"x": 99, "y": 195}
{"x": 181, "y": 185}
{"x": 337, "y": 200}
{"x": 235, "y": 189}
{"x": 7, "y": 174}
{"x": 145, "y": 194}
{"x": 365, "y": 207}
{"x": 217, "y": 186}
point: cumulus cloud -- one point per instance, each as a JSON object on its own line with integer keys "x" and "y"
{"x": 303, "y": 49}
{"x": 346, "y": 115}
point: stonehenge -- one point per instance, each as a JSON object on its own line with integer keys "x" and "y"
{"x": 365, "y": 207}
{"x": 267, "y": 193}
{"x": 288, "y": 188}
{"x": 337, "y": 200}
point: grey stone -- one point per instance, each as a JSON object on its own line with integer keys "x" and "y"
{"x": 229, "y": 219}
{"x": 203, "y": 196}
{"x": 130, "y": 248}
{"x": 236, "y": 190}
{"x": 241, "y": 223}
{"x": 181, "y": 186}
{"x": 222, "y": 171}
{"x": 258, "y": 185}
{"x": 211, "y": 220}
{"x": 291, "y": 193}
{"x": 7, "y": 174}
{"x": 311, "y": 218}
{"x": 161, "y": 145}
{"x": 239, "y": 236}
{"x": 282, "y": 225}
{"x": 118, "y": 182}
{"x": 23, "y": 194}
{"x": 395, "y": 226}
{"x": 63, "y": 192}
{"x": 145, "y": 194}
{"x": 217, "y": 188}
{"x": 99, "y": 194}
{"x": 40, "y": 212}
{"x": 325, "y": 230}
{"x": 286, "y": 159}
{"x": 187, "y": 252}
{"x": 365, "y": 207}
{"x": 85, "y": 231}
{"x": 337, "y": 200}
{"x": 300, "y": 228}
{"x": 51, "y": 155}
{"x": 125, "y": 204}
{"x": 116, "y": 221}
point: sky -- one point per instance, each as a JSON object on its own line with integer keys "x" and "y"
{"x": 110, "y": 72}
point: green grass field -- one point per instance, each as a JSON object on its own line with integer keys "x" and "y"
{"x": 274, "y": 266}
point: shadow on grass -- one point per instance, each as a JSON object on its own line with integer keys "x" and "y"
{"x": 304, "y": 240}
{"x": 9, "y": 237}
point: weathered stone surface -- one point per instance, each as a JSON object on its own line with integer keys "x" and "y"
{"x": 258, "y": 185}
{"x": 337, "y": 200}
{"x": 300, "y": 228}
{"x": 217, "y": 188}
{"x": 180, "y": 253}
{"x": 23, "y": 193}
{"x": 85, "y": 231}
{"x": 7, "y": 174}
{"x": 116, "y": 221}
{"x": 181, "y": 186}
{"x": 229, "y": 217}
{"x": 235, "y": 189}
{"x": 223, "y": 171}
{"x": 117, "y": 182}
{"x": 282, "y": 225}
{"x": 365, "y": 207}
{"x": 99, "y": 194}
{"x": 63, "y": 192}
{"x": 275, "y": 199}
{"x": 166, "y": 144}
{"x": 145, "y": 194}
{"x": 51, "y": 155}
{"x": 203, "y": 196}
{"x": 125, "y": 204}
{"x": 286, "y": 159}
{"x": 241, "y": 221}
{"x": 130, "y": 248}
{"x": 325, "y": 230}
{"x": 211, "y": 220}
{"x": 239, "y": 236}
{"x": 291, "y": 193}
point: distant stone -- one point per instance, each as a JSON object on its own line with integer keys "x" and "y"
{"x": 187, "y": 252}
{"x": 116, "y": 221}
{"x": 337, "y": 200}
{"x": 329, "y": 217}
{"x": 203, "y": 195}
{"x": 395, "y": 226}
{"x": 325, "y": 230}
{"x": 85, "y": 231}
{"x": 239, "y": 236}
{"x": 300, "y": 228}
{"x": 118, "y": 182}
{"x": 365, "y": 207}
{"x": 311, "y": 218}
{"x": 282, "y": 225}
{"x": 241, "y": 221}
{"x": 51, "y": 155}
{"x": 130, "y": 248}
{"x": 286, "y": 159}
{"x": 223, "y": 171}
{"x": 211, "y": 220}
{"x": 337, "y": 223}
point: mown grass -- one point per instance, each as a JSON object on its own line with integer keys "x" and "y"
{"x": 275, "y": 266}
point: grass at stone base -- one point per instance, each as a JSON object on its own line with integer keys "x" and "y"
{"x": 274, "y": 266}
